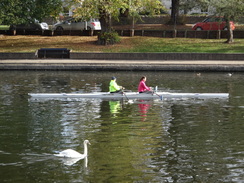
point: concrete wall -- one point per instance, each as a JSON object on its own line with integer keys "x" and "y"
{"x": 17, "y": 56}
{"x": 134, "y": 56}
{"x": 157, "y": 56}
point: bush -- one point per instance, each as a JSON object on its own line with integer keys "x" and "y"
{"x": 108, "y": 38}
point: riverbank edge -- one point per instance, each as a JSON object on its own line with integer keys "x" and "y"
{"x": 133, "y": 56}
{"x": 126, "y": 62}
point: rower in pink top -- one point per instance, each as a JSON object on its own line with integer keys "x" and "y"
{"x": 143, "y": 88}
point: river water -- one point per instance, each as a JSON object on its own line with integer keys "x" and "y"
{"x": 131, "y": 141}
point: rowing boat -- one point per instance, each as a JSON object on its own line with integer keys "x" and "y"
{"x": 129, "y": 95}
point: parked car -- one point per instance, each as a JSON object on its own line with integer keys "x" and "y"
{"x": 213, "y": 23}
{"x": 30, "y": 27}
{"x": 77, "y": 24}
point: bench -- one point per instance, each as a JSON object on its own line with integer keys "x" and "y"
{"x": 53, "y": 53}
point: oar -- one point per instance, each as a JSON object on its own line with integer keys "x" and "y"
{"x": 125, "y": 95}
{"x": 160, "y": 96}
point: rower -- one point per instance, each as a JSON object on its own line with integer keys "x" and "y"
{"x": 143, "y": 88}
{"x": 114, "y": 87}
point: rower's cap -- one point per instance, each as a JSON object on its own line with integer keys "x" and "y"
{"x": 113, "y": 78}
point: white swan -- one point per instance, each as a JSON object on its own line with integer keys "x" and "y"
{"x": 70, "y": 153}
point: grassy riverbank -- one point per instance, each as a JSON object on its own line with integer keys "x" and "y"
{"x": 128, "y": 44}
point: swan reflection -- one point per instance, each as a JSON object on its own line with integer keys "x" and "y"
{"x": 71, "y": 161}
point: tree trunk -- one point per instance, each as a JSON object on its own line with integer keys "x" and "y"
{"x": 105, "y": 20}
{"x": 174, "y": 12}
{"x": 230, "y": 38}
{"x": 106, "y": 24}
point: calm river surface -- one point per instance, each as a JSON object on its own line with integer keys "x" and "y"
{"x": 131, "y": 141}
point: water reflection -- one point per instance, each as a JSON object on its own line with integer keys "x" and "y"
{"x": 143, "y": 108}
{"x": 115, "y": 107}
{"x": 162, "y": 141}
{"x": 145, "y": 145}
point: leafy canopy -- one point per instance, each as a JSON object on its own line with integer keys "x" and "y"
{"x": 26, "y": 11}
{"x": 99, "y": 8}
{"x": 228, "y": 8}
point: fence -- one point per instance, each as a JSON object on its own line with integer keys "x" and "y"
{"x": 150, "y": 33}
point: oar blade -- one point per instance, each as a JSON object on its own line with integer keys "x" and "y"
{"x": 161, "y": 97}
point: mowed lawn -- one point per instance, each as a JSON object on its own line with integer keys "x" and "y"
{"x": 128, "y": 44}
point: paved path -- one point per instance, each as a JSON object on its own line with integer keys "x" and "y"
{"x": 135, "y": 65}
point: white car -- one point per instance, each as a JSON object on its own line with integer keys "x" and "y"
{"x": 75, "y": 24}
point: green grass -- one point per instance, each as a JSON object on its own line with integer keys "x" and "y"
{"x": 187, "y": 45}
{"x": 4, "y": 27}
{"x": 128, "y": 44}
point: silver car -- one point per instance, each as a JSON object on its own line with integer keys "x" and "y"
{"x": 76, "y": 24}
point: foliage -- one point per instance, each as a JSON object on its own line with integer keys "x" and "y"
{"x": 4, "y": 27}
{"x": 27, "y": 11}
{"x": 230, "y": 9}
{"x": 113, "y": 8}
{"x": 188, "y": 5}
{"x": 109, "y": 38}
{"x": 98, "y": 8}
{"x": 105, "y": 10}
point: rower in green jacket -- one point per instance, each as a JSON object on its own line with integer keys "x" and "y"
{"x": 114, "y": 87}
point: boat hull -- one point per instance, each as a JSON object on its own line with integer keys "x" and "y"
{"x": 129, "y": 95}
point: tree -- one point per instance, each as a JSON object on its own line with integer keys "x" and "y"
{"x": 105, "y": 10}
{"x": 26, "y": 11}
{"x": 230, "y": 10}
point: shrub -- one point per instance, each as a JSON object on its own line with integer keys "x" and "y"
{"x": 108, "y": 38}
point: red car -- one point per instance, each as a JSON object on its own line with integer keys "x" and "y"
{"x": 213, "y": 23}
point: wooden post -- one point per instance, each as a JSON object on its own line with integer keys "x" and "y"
{"x": 164, "y": 33}
{"x": 174, "y": 33}
{"x": 91, "y": 32}
{"x": 14, "y": 32}
{"x": 218, "y": 34}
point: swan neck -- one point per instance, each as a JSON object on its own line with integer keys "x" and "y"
{"x": 85, "y": 149}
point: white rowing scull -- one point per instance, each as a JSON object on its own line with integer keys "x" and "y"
{"x": 129, "y": 95}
